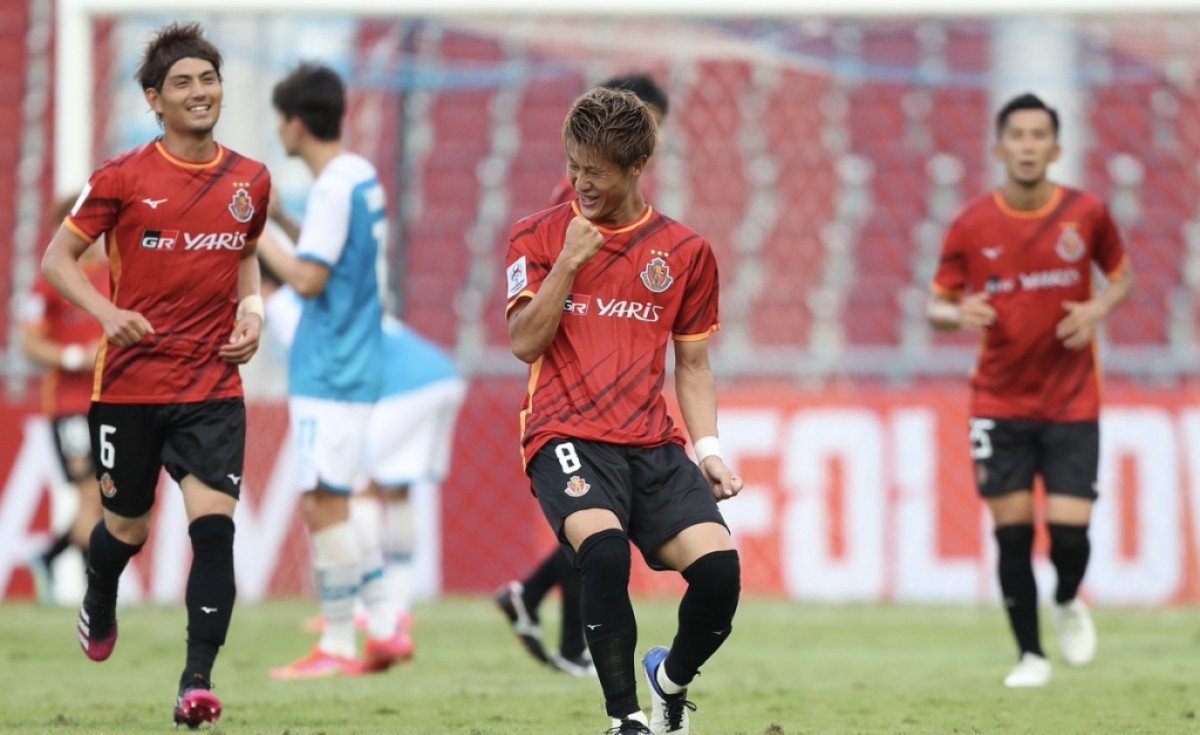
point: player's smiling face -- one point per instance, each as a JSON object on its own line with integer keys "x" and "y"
{"x": 607, "y": 194}
{"x": 190, "y": 100}
{"x": 1027, "y": 146}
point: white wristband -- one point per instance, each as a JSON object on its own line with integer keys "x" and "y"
{"x": 706, "y": 446}
{"x": 72, "y": 358}
{"x": 252, "y": 304}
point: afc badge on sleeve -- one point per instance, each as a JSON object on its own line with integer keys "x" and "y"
{"x": 517, "y": 278}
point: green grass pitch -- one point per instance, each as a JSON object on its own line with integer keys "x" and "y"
{"x": 788, "y": 669}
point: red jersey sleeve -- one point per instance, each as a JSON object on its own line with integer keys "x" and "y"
{"x": 698, "y": 317}
{"x": 96, "y": 210}
{"x": 951, "y": 276}
{"x": 1108, "y": 252}
{"x": 526, "y": 266}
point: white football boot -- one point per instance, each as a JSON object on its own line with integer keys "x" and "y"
{"x": 1076, "y": 632}
{"x": 1031, "y": 671}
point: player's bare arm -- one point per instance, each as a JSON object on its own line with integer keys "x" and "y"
{"x": 306, "y": 277}
{"x": 243, "y": 341}
{"x": 971, "y": 313}
{"x": 696, "y": 390}
{"x": 1078, "y": 328}
{"x": 78, "y": 358}
{"x": 60, "y": 264}
{"x": 533, "y": 324}
{"x": 279, "y": 216}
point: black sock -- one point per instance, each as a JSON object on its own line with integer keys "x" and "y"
{"x": 107, "y": 557}
{"x": 571, "y": 643}
{"x": 59, "y": 546}
{"x": 1018, "y": 586}
{"x": 1069, "y": 551}
{"x": 210, "y": 592}
{"x": 608, "y": 617}
{"x": 541, "y": 580}
{"x": 714, "y": 584}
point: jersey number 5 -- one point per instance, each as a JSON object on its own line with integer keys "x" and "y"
{"x": 981, "y": 442}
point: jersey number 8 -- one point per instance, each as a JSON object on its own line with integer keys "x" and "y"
{"x": 568, "y": 458}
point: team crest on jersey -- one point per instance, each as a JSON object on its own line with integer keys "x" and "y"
{"x": 241, "y": 207}
{"x": 577, "y": 487}
{"x": 1071, "y": 246}
{"x": 107, "y": 486}
{"x": 657, "y": 276}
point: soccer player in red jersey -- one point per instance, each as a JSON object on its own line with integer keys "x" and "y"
{"x": 180, "y": 217}
{"x": 1017, "y": 267}
{"x": 520, "y": 600}
{"x": 63, "y": 340}
{"x": 648, "y": 91}
{"x": 596, "y": 290}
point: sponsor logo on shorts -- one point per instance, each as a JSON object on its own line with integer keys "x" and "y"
{"x": 577, "y": 487}
{"x": 107, "y": 487}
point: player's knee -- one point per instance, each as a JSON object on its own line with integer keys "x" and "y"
{"x": 604, "y": 557}
{"x": 716, "y": 576}
{"x": 1068, "y": 538}
{"x": 1015, "y": 541}
{"x": 211, "y": 533}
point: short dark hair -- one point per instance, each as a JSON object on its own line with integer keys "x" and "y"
{"x": 613, "y": 123}
{"x": 644, "y": 86}
{"x": 315, "y": 94}
{"x": 1027, "y": 101}
{"x": 172, "y": 43}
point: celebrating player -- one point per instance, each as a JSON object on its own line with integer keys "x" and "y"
{"x": 520, "y": 600}
{"x": 63, "y": 339}
{"x": 180, "y": 217}
{"x": 1017, "y": 267}
{"x": 334, "y": 367}
{"x": 596, "y": 289}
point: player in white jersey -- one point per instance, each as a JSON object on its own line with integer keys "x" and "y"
{"x": 334, "y": 374}
{"x": 409, "y": 438}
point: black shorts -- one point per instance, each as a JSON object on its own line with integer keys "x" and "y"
{"x": 655, "y": 492}
{"x": 131, "y": 443}
{"x": 1009, "y": 453}
{"x": 73, "y": 444}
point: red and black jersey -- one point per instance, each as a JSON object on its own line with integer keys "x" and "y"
{"x": 1030, "y": 262}
{"x": 176, "y": 233}
{"x": 601, "y": 378}
{"x": 66, "y": 393}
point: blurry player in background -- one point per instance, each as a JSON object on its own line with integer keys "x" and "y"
{"x": 520, "y": 600}
{"x": 180, "y": 217}
{"x": 63, "y": 339}
{"x": 596, "y": 289}
{"x": 1017, "y": 267}
{"x": 408, "y": 443}
{"x": 334, "y": 367}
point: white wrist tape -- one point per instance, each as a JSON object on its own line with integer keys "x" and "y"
{"x": 252, "y": 304}
{"x": 72, "y": 358}
{"x": 706, "y": 446}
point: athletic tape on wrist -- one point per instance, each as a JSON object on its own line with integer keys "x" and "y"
{"x": 252, "y": 304}
{"x": 706, "y": 446}
{"x": 72, "y": 357}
